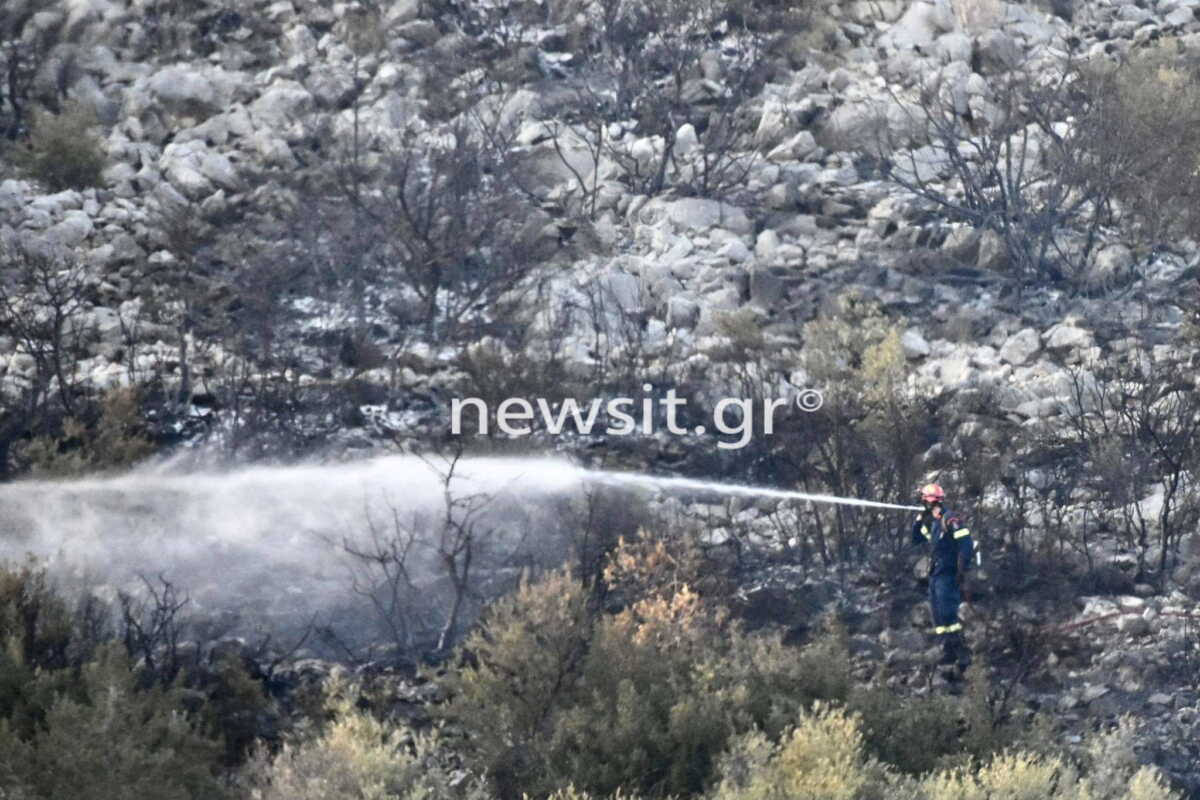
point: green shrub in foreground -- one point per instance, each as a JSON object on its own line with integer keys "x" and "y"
{"x": 106, "y": 741}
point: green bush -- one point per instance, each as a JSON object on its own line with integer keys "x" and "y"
{"x": 669, "y": 697}
{"x": 668, "y": 681}
{"x": 63, "y": 152}
{"x": 102, "y": 740}
{"x": 527, "y": 653}
{"x": 917, "y": 734}
{"x": 1139, "y": 133}
{"x": 34, "y": 617}
{"x": 40, "y": 640}
{"x": 114, "y": 440}
{"x": 234, "y": 702}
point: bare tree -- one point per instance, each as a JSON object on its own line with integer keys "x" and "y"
{"x": 43, "y": 296}
{"x": 1015, "y": 170}
{"x": 383, "y": 574}
{"x": 187, "y": 237}
{"x": 462, "y": 535}
{"x": 24, "y": 46}
{"x": 1135, "y": 426}
{"x": 1053, "y": 160}
{"x": 151, "y": 627}
{"x": 657, "y": 65}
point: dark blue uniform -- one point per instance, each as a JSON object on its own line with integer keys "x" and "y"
{"x": 951, "y": 549}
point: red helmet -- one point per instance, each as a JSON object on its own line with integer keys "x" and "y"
{"x": 932, "y": 493}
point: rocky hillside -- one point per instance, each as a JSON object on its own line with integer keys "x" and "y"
{"x": 308, "y": 227}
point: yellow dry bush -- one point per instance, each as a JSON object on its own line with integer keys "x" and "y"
{"x": 1138, "y": 132}
{"x": 1114, "y": 772}
{"x": 680, "y": 620}
{"x": 1012, "y": 776}
{"x": 643, "y": 566}
{"x": 357, "y": 757}
{"x": 822, "y": 758}
{"x": 658, "y": 563}
{"x": 572, "y": 793}
{"x": 1147, "y": 785}
{"x": 1113, "y": 775}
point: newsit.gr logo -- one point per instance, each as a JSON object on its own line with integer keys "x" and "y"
{"x": 626, "y": 416}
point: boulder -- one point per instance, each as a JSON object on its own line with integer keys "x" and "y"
{"x": 766, "y": 288}
{"x": 686, "y": 140}
{"x": 993, "y": 254}
{"x": 421, "y": 32}
{"x": 283, "y": 103}
{"x": 865, "y": 647}
{"x": 1039, "y": 408}
{"x": 331, "y": 88}
{"x": 766, "y": 247}
{"x": 1111, "y": 265}
{"x": 1180, "y": 16}
{"x": 1020, "y": 348}
{"x": 273, "y": 151}
{"x": 955, "y": 369}
{"x": 955, "y": 46}
{"x": 797, "y": 148}
{"x": 544, "y": 167}
{"x": 682, "y": 312}
{"x": 195, "y": 170}
{"x": 59, "y": 202}
{"x": 1132, "y": 625}
{"x": 962, "y": 243}
{"x": 736, "y": 251}
{"x": 215, "y": 206}
{"x": 914, "y": 344}
{"x": 110, "y": 334}
{"x": 188, "y": 90}
{"x": 72, "y": 231}
{"x": 623, "y": 289}
{"x": 696, "y": 214}
{"x": 125, "y": 250}
{"x": 773, "y": 124}
{"x": 401, "y": 11}
{"x": 1066, "y": 336}
{"x": 917, "y": 28}
{"x": 923, "y": 165}
{"x": 998, "y": 52}
{"x": 902, "y": 639}
{"x": 857, "y": 124}
{"x": 12, "y": 195}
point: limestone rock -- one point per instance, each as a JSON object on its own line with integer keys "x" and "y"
{"x": 914, "y": 344}
{"x": 1021, "y": 347}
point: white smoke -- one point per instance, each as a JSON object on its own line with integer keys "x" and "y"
{"x": 267, "y": 546}
{"x": 267, "y": 543}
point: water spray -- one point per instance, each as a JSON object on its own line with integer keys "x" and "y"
{"x": 271, "y": 543}
{"x": 692, "y": 484}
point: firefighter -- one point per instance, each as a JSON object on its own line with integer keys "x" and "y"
{"x": 951, "y": 550}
